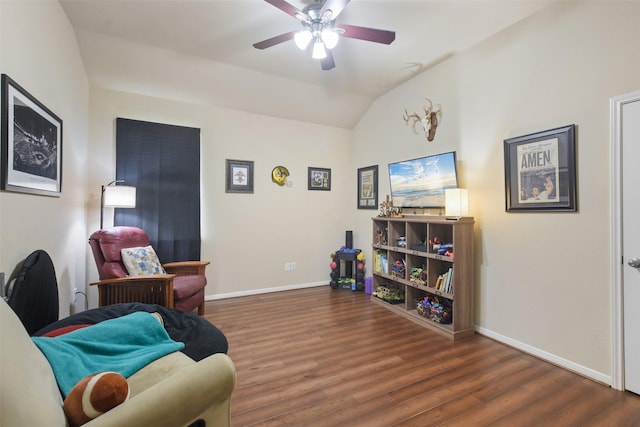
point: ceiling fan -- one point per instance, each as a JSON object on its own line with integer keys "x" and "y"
{"x": 318, "y": 20}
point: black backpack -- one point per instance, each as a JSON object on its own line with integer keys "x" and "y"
{"x": 33, "y": 291}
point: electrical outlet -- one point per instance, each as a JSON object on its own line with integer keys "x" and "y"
{"x": 73, "y": 296}
{"x": 289, "y": 266}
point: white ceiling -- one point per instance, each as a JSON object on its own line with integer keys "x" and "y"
{"x": 223, "y": 32}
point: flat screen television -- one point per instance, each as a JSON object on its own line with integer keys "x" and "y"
{"x": 420, "y": 183}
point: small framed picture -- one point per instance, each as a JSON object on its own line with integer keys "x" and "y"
{"x": 368, "y": 187}
{"x": 319, "y": 179}
{"x": 31, "y": 143}
{"x": 540, "y": 171}
{"x": 239, "y": 176}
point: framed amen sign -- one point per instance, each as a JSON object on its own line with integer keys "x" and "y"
{"x": 540, "y": 171}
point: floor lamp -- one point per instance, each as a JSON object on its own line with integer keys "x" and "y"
{"x": 116, "y": 196}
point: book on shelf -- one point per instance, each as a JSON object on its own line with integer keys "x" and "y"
{"x": 444, "y": 283}
{"x": 438, "y": 282}
{"x": 381, "y": 263}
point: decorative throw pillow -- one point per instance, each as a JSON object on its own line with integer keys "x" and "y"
{"x": 141, "y": 261}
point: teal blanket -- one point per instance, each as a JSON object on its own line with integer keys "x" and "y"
{"x": 125, "y": 345}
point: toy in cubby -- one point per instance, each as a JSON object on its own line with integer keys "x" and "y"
{"x": 418, "y": 276}
{"x": 343, "y": 274}
{"x": 440, "y": 248}
{"x": 435, "y": 308}
{"x": 389, "y": 294}
{"x": 381, "y": 236}
{"x": 398, "y": 267}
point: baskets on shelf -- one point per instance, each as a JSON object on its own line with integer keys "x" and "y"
{"x": 437, "y": 309}
{"x": 390, "y": 295}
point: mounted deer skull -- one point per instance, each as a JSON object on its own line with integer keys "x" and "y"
{"x": 429, "y": 122}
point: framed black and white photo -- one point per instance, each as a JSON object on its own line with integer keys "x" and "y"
{"x": 319, "y": 179}
{"x": 31, "y": 143}
{"x": 368, "y": 187}
{"x": 239, "y": 176}
{"x": 540, "y": 171}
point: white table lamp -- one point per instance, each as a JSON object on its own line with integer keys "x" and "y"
{"x": 456, "y": 202}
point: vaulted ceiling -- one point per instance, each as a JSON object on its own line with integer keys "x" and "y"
{"x": 211, "y": 42}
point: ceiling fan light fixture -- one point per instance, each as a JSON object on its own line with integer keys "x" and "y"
{"x": 302, "y": 39}
{"x": 319, "y": 51}
{"x": 330, "y": 38}
{"x": 318, "y": 20}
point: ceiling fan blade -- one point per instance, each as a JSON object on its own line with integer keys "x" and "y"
{"x": 287, "y": 8}
{"x": 368, "y": 34}
{"x": 335, "y": 6}
{"x": 274, "y": 40}
{"x": 328, "y": 63}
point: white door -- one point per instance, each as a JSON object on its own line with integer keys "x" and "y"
{"x": 630, "y": 155}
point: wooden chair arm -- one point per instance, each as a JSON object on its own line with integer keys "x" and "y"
{"x": 186, "y": 268}
{"x": 137, "y": 280}
{"x": 151, "y": 289}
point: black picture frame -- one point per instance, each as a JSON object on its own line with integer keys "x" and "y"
{"x": 319, "y": 179}
{"x": 540, "y": 171}
{"x": 368, "y": 187}
{"x": 31, "y": 143}
{"x": 239, "y": 176}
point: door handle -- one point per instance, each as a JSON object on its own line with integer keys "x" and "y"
{"x": 634, "y": 262}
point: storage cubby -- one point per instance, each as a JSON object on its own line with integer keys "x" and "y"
{"x": 388, "y": 291}
{"x": 396, "y": 233}
{"x": 381, "y": 261}
{"x": 381, "y": 234}
{"x": 429, "y": 262}
{"x": 417, "y": 239}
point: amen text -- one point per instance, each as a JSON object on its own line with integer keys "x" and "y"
{"x": 537, "y": 159}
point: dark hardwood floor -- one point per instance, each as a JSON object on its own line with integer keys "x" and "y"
{"x": 323, "y": 357}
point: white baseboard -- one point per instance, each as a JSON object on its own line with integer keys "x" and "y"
{"x": 263, "y": 291}
{"x": 546, "y": 356}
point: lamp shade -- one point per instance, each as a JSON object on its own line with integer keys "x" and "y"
{"x": 302, "y": 38}
{"x": 319, "y": 51}
{"x": 456, "y": 202}
{"x": 120, "y": 196}
{"x": 330, "y": 38}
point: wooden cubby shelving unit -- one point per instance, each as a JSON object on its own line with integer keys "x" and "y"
{"x": 415, "y": 251}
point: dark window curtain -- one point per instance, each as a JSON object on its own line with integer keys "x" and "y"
{"x": 163, "y": 163}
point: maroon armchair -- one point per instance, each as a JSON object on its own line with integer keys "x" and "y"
{"x": 182, "y": 287}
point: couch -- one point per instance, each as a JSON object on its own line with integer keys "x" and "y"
{"x": 171, "y": 391}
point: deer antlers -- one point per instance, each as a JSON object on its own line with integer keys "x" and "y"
{"x": 429, "y": 122}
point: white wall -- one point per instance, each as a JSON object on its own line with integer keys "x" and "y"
{"x": 247, "y": 237}
{"x": 47, "y": 64}
{"x": 542, "y": 279}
